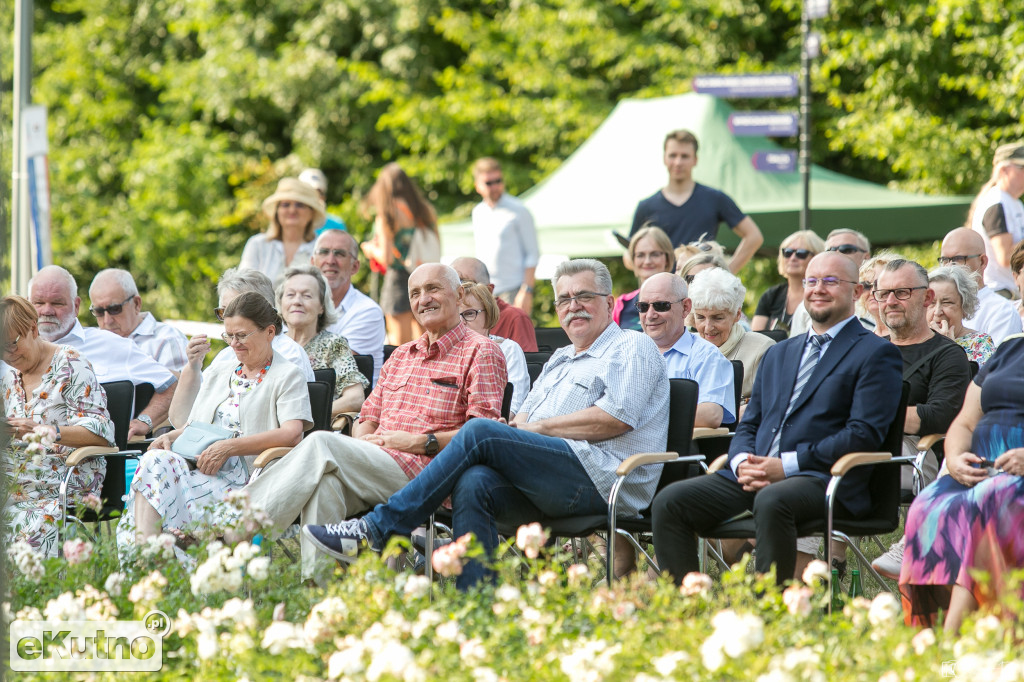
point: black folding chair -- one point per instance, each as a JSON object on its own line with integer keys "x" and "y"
{"x": 776, "y": 335}
{"x": 321, "y": 395}
{"x": 365, "y": 365}
{"x": 551, "y": 338}
{"x": 328, "y": 376}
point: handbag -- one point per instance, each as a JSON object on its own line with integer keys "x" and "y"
{"x": 198, "y": 436}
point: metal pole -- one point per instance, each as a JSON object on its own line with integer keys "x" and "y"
{"x": 805, "y": 119}
{"x": 21, "y": 230}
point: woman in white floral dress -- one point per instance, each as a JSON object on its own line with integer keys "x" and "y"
{"x": 47, "y": 384}
{"x": 304, "y": 300}
{"x": 263, "y": 399}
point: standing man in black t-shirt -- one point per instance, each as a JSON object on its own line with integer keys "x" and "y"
{"x": 688, "y": 211}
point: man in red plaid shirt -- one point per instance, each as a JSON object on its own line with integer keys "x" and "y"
{"x": 427, "y": 390}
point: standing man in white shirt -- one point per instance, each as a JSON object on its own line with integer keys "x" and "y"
{"x": 117, "y": 306}
{"x": 54, "y": 294}
{"x": 360, "y": 320}
{"x": 506, "y": 239}
{"x": 998, "y": 216}
{"x": 996, "y": 316}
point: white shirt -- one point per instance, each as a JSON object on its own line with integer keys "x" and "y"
{"x": 996, "y": 316}
{"x": 518, "y": 373}
{"x": 115, "y": 358}
{"x": 506, "y": 241}
{"x": 162, "y": 342}
{"x": 267, "y": 256}
{"x": 361, "y": 322}
{"x": 997, "y": 276}
{"x": 284, "y": 345}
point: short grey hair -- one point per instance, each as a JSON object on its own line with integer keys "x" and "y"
{"x": 963, "y": 279}
{"x": 69, "y": 279}
{"x": 330, "y": 314}
{"x": 241, "y": 280}
{"x": 480, "y": 273}
{"x": 448, "y": 272}
{"x": 568, "y": 268}
{"x": 717, "y": 289}
{"x": 701, "y": 259}
{"x": 123, "y": 278}
{"x": 864, "y": 243}
{"x": 354, "y": 246}
{"x": 900, "y": 263}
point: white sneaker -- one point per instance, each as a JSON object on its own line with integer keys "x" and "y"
{"x": 889, "y": 563}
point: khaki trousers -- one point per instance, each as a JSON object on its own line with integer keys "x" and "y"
{"x": 327, "y": 478}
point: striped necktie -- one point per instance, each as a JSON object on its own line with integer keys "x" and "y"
{"x": 810, "y": 361}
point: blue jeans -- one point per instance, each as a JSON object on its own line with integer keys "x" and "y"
{"x": 493, "y": 473}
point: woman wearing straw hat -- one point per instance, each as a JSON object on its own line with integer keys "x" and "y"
{"x": 295, "y": 212}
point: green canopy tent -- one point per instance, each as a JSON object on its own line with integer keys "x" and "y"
{"x": 597, "y": 188}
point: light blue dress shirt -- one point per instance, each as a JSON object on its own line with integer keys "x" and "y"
{"x": 691, "y": 357}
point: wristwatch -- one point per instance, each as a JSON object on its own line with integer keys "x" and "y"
{"x": 145, "y": 419}
{"x": 432, "y": 445}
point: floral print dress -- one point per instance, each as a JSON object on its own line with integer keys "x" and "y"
{"x": 330, "y": 351}
{"x": 67, "y": 395}
{"x": 186, "y": 497}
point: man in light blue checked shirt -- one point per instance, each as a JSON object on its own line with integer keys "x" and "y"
{"x": 596, "y": 403}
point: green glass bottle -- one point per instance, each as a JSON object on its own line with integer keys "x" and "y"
{"x": 856, "y": 589}
{"x": 837, "y": 593}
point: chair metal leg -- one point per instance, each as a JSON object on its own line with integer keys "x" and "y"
{"x": 429, "y": 558}
{"x": 863, "y": 561}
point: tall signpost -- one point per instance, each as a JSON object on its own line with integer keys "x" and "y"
{"x": 21, "y": 231}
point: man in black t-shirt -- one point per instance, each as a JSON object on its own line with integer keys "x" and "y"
{"x": 688, "y": 211}
{"x": 935, "y": 367}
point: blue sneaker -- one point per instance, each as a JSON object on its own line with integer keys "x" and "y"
{"x": 343, "y": 541}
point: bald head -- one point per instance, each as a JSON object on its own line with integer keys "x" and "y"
{"x": 836, "y": 286}
{"x": 964, "y": 246}
{"x": 472, "y": 269}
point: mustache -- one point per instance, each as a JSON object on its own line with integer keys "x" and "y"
{"x": 49, "y": 319}
{"x": 578, "y": 315}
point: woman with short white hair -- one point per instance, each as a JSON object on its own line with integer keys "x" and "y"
{"x": 717, "y": 297}
{"x": 956, "y": 299}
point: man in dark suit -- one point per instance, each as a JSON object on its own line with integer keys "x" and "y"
{"x": 816, "y": 397}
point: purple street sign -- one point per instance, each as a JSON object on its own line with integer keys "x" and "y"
{"x": 748, "y": 85}
{"x": 767, "y": 123}
{"x": 782, "y": 161}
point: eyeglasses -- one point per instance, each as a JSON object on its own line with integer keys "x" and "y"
{"x": 291, "y": 204}
{"x": 867, "y": 284}
{"x": 901, "y": 294}
{"x": 470, "y": 314}
{"x": 240, "y": 338}
{"x": 492, "y": 183}
{"x": 847, "y": 249}
{"x": 219, "y": 312}
{"x": 802, "y": 254}
{"x": 111, "y": 309}
{"x": 12, "y": 345}
{"x": 583, "y": 298}
{"x": 956, "y": 260}
{"x": 659, "y": 306}
{"x": 812, "y": 282}
{"x": 652, "y": 255}
{"x": 337, "y": 253}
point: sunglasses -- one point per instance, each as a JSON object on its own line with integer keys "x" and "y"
{"x": 802, "y": 254}
{"x": 659, "y": 306}
{"x": 492, "y": 183}
{"x": 219, "y": 312}
{"x": 689, "y": 278}
{"x": 847, "y": 249}
{"x": 110, "y": 309}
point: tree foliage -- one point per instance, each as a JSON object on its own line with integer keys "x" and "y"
{"x": 170, "y": 121}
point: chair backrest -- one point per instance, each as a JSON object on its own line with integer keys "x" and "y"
{"x": 506, "y": 401}
{"x": 776, "y": 335}
{"x": 328, "y": 376}
{"x": 320, "y": 399}
{"x": 388, "y": 350}
{"x": 534, "y": 369}
{"x": 120, "y": 396}
{"x": 737, "y": 382}
{"x": 364, "y": 363}
{"x": 975, "y": 367}
{"x": 551, "y": 338}
{"x": 682, "y": 414}
{"x": 143, "y": 394}
{"x": 541, "y": 356}
{"x": 884, "y": 483}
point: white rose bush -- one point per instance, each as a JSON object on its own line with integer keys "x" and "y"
{"x": 240, "y": 611}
